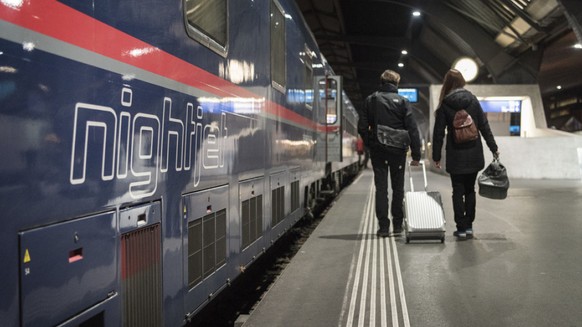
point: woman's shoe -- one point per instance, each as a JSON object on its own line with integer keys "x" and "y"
{"x": 460, "y": 234}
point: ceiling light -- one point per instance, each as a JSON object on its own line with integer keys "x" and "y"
{"x": 404, "y": 52}
{"x": 468, "y": 67}
{"x": 400, "y": 65}
{"x": 416, "y": 13}
{"x": 559, "y": 87}
{"x": 578, "y": 45}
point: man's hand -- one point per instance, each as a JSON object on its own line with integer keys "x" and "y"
{"x": 414, "y": 163}
{"x": 437, "y": 164}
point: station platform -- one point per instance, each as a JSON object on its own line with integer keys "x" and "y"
{"x": 522, "y": 268}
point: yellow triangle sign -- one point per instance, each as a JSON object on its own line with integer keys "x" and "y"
{"x": 26, "y": 256}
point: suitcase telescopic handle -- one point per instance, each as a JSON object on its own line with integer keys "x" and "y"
{"x": 423, "y": 173}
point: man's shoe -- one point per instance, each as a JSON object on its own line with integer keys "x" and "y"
{"x": 460, "y": 234}
{"x": 397, "y": 230}
{"x": 469, "y": 232}
{"x": 383, "y": 232}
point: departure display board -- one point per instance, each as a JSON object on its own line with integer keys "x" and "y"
{"x": 410, "y": 93}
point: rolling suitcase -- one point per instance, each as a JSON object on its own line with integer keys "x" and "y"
{"x": 423, "y": 211}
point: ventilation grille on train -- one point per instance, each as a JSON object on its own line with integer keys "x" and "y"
{"x": 294, "y": 196}
{"x": 252, "y": 220}
{"x": 277, "y": 205}
{"x": 142, "y": 277}
{"x": 206, "y": 246}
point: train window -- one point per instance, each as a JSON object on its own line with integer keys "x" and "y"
{"x": 207, "y": 23}
{"x": 308, "y": 78}
{"x": 278, "y": 53}
{"x": 328, "y": 100}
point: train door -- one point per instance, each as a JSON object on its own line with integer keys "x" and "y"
{"x": 328, "y": 107}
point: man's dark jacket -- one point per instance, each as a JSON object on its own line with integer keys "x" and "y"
{"x": 468, "y": 157}
{"x": 386, "y": 107}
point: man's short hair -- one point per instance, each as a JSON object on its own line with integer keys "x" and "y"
{"x": 390, "y": 76}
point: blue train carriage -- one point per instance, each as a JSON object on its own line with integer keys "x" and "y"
{"x": 150, "y": 152}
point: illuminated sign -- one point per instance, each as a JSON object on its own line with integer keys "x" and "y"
{"x": 410, "y": 93}
{"x": 501, "y": 105}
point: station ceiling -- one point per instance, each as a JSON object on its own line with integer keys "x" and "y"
{"x": 507, "y": 38}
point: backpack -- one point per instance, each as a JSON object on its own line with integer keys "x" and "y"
{"x": 463, "y": 127}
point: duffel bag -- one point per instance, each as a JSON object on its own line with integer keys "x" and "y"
{"x": 493, "y": 182}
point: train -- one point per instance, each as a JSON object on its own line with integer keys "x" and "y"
{"x": 152, "y": 150}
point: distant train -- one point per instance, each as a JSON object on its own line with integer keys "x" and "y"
{"x": 151, "y": 150}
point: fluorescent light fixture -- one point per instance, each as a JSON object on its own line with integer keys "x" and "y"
{"x": 578, "y": 45}
{"x": 559, "y": 87}
{"x": 404, "y": 52}
{"x": 400, "y": 64}
{"x": 416, "y": 13}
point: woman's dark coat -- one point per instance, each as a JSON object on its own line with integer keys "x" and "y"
{"x": 468, "y": 157}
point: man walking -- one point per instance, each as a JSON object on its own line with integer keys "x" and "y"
{"x": 388, "y": 129}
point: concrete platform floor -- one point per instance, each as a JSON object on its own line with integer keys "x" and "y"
{"x": 522, "y": 268}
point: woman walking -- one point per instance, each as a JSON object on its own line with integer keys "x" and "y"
{"x": 464, "y": 158}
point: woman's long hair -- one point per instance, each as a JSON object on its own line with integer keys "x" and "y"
{"x": 453, "y": 80}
